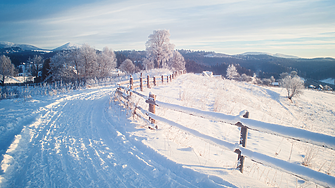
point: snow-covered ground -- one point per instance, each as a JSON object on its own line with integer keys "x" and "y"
{"x": 85, "y": 139}
{"x": 18, "y": 79}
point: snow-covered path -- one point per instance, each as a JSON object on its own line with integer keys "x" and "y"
{"x": 76, "y": 141}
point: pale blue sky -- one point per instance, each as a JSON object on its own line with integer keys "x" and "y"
{"x": 304, "y": 28}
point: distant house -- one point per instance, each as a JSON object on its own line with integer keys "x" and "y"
{"x": 311, "y": 87}
{"x": 207, "y": 73}
{"x": 320, "y": 87}
{"x": 275, "y": 84}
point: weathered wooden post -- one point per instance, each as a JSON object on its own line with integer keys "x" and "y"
{"x": 155, "y": 81}
{"x": 170, "y": 78}
{"x": 152, "y": 108}
{"x": 141, "y": 83}
{"x": 148, "y": 81}
{"x": 131, "y": 84}
{"x": 167, "y": 79}
{"x": 243, "y": 142}
{"x": 162, "y": 79}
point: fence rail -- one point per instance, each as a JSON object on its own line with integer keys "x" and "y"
{"x": 245, "y": 123}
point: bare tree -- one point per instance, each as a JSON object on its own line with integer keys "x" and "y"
{"x": 293, "y": 85}
{"x": 127, "y": 66}
{"x": 158, "y": 47}
{"x": 232, "y": 72}
{"x": 6, "y": 68}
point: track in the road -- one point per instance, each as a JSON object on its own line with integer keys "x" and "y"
{"x": 78, "y": 142}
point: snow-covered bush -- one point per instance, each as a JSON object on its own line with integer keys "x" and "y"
{"x": 127, "y": 66}
{"x": 232, "y": 72}
{"x": 293, "y": 85}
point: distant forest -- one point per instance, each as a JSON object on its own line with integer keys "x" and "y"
{"x": 264, "y": 66}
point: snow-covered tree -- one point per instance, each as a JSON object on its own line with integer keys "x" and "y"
{"x": 177, "y": 62}
{"x": 148, "y": 64}
{"x": 37, "y": 64}
{"x": 127, "y": 66}
{"x": 82, "y": 63}
{"x": 61, "y": 68}
{"x": 73, "y": 59}
{"x": 89, "y": 61}
{"x": 158, "y": 47}
{"x": 106, "y": 62}
{"x": 293, "y": 85}
{"x": 283, "y": 75}
{"x": 6, "y": 68}
{"x": 232, "y": 72}
{"x": 272, "y": 78}
{"x": 266, "y": 81}
{"x": 246, "y": 78}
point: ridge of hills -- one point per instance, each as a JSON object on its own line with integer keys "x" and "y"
{"x": 262, "y": 64}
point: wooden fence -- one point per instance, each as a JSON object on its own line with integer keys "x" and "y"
{"x": 242, "y": 121}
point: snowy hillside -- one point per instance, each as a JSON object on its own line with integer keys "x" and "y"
{"x": 22, "y": 46}
{"x": 275, "y": 55}
{"x": 328, "y": 81}
{"x": 85, "y": 139}
{"x": 67, "y": 46}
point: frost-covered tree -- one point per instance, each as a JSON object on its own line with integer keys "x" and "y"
{"x": 245, "y": 78}
{"x": 232, "y": 72}
{"x": 74, "y": 60}
{"x": 266, "y": 81}
{"x": 37, "y": 61}
{"x": 89, "y": 63}
{"x": 127, "y": 66}
{"x": 148, "y": 64}
{"x": 158, "y": 47}
{"x": 293, "y": 73}
{"x": 283, "y": 75}
{"x": 82, "y": 64}
{"x": 272, "y": 78}
{"x": 293, "y": 85}
{"x": 106, "y": 62}
{"x": 177, "y": 62}
{"x": 6, "y": 68}
{"x": 61, "y": 68}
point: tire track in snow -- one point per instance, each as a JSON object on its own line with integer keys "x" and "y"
{"x": 76, "y": 143}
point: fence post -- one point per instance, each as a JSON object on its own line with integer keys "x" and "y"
{"x": 155, "y": 81}
{"x": 141, "y": 83}
{"x": 152, "y": 108}
{"x": 162, "y": 79}
{"x": 148, "y": 81}
{"x": 243, "y": 142}
{"x": 167, "y": 79}
{"x": 170, "y": 78}
{"x": 131, "y": 84}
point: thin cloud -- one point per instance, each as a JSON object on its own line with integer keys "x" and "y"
{"x": 193, "y": 24}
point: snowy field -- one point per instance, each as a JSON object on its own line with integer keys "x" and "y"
{"x": 84, "y": 139}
